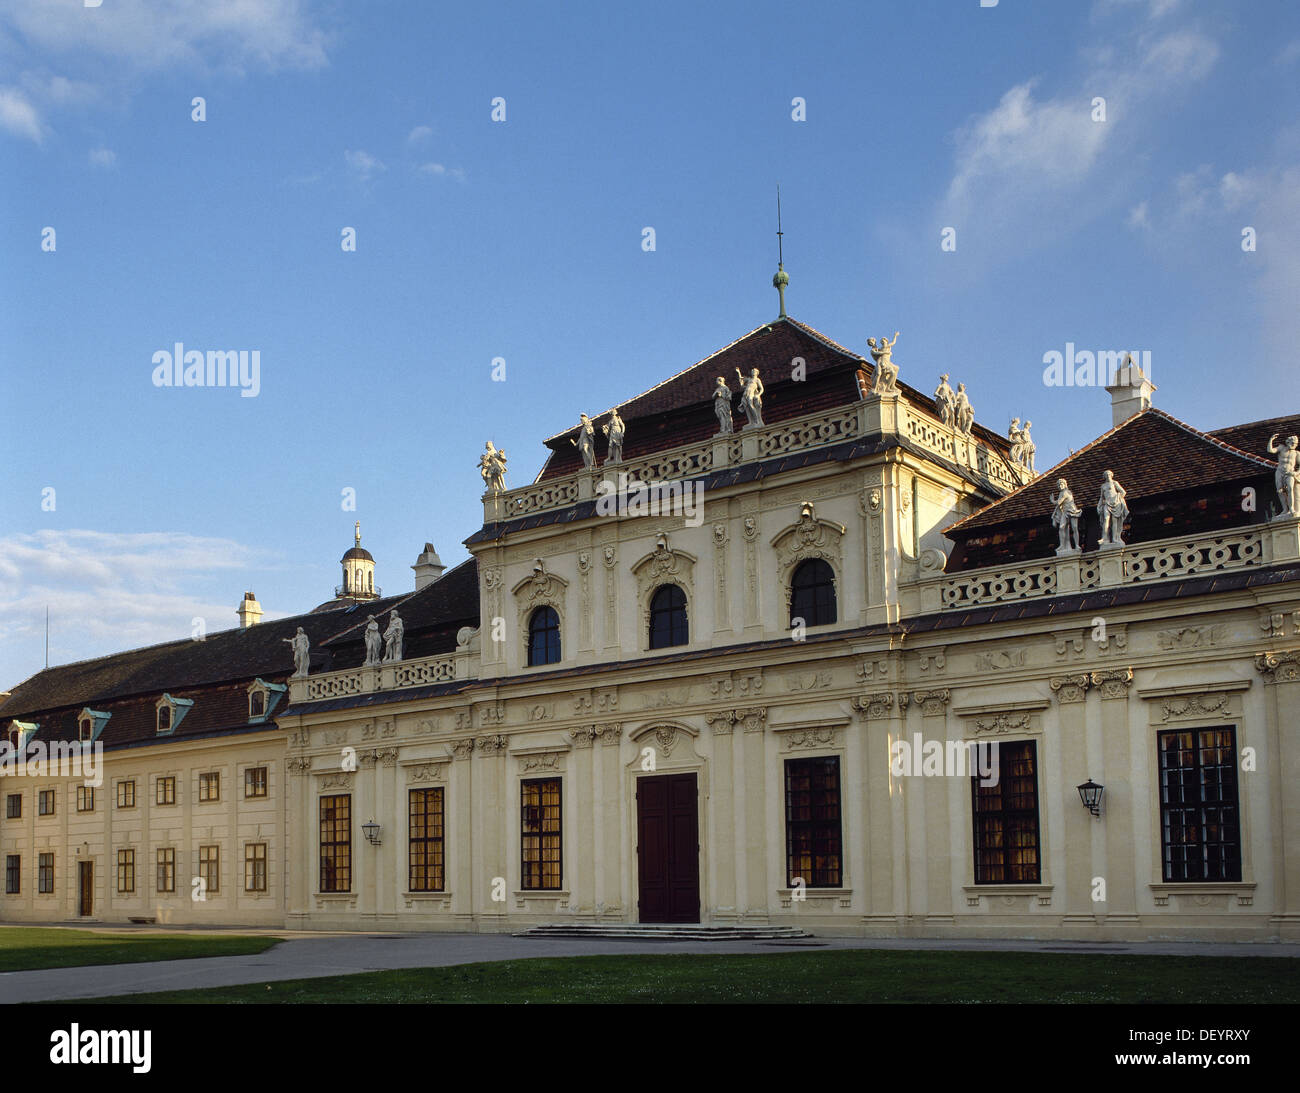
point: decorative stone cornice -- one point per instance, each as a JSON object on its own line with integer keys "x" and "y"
{"x": 1070, "y": 688}
{"x": 1114, "y": 683}
{"x": 1176, "y": 707}
{"x": 586, "y": 735}
{"x": 1279, "y": 667}
{"x": 336, "y": 781}
{"x": 873, "y": 706}
{"x": 806, "y": 739}
{"x": 491, "y": 745}
{"x": 932, "y": 703}
{"x": 427, "y": 772}
{"x": 740, "y": 684}
{"x": 546, "y": 760}
{"x": 298, "y": 767}
{"x": 461, "y": 749}
{"x": 750, "y": 719}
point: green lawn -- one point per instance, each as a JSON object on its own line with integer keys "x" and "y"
{"x": 840, "y": 976}
{"x": 23, "y": 948}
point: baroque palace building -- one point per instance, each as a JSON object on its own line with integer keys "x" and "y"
{"x": 743, "y": 698}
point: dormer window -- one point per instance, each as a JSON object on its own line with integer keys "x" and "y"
{"x": 262, "y": 698}
{"x": 171, "y": 711}
{"x": 90, "y": 723}
{"x": 20, "y": 732}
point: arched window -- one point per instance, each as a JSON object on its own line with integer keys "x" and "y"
{"x": 544, "y": 637}
{"x": 812, "y": 593}
{"x": 668, "y": 625}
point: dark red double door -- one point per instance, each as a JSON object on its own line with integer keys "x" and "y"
{"x": 668, "y": 848}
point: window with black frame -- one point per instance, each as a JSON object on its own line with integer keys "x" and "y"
{"x": 812, "y": 593}
{"x": 540, "y": 841}
{"x": 13, "y": 874}
{"x": 425, "y": 855}
{"x": 544, "y": 637}
{"x": 814, "y": 853}
{"x": 336, "y": 843}
{"x": 668, "y": 622}
{"x": 1200, "y": 834}
{"x": 1006, "y": 818}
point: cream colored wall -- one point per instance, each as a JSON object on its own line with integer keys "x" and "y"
{"x": 229, "y": 823}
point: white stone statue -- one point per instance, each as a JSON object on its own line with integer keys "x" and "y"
{"x": 1112, "y": 511}
{"x": 965, "y": 416}
{"x": 722, "y": 407}
{"x": 1027, "y": 448}
{"x": 1065, "y": 518}
{"x": 1017, "y": 443}
{"x": 586, "y": 442}
{"x": 492, "y": 466}
{"x": 886, "y": 370}
{"x": 615, "y": 430}
{"x": 945, "y": 401}
{"x": 751, "y": 398}
{"x": 373, "y": 642}
{"x": 300, "y": 644}
{"x": 393, "y": 637}
{"x": 1287, "y": 476}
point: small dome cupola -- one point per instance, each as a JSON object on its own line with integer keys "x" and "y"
{"x": 358, "y": 573}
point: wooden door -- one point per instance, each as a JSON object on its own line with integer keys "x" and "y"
{"x": 86, "y": 886}
{"x": 668, "y": 848}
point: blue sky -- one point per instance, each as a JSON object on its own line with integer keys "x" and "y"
{"x": 522, "y": 239}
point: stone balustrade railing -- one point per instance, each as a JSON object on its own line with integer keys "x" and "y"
{"x": 1113, "y": 567}
{"x": 391, "y": 676}
{"x": 769, "y": 441}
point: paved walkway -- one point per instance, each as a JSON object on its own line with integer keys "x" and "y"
{"x": 313, "y": 956}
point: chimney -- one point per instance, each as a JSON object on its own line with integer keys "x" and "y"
{"x": 428, "y": 567}
{"x": 1130, "y": 392}
{"x": 250, "y": 611}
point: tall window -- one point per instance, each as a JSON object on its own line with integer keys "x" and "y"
{"x": 812, "y": 593}
{"x": 13, "y": 874}
{"x": 14, "y": 806}
{"x": 166, "y": 869}
{"x": 126, "y": 794}
{"x": 1200, "y": 832}
{"x": 541, "y": 834}
{"x": 668, "y": 625}
{"x": 1006, "y": 818}
{"x": 210, "y": 786}
{"x": 336, "y": 843}
{"x": 257, "y": 704}
{"x": 812, "y": 822}
{"x": 45, "y": 873}
{"x": 164, "y": 718}
{"x": 165, "y": 791}
{"x": 45, "y": 802}
{"x": 255, "y": 782}
{"x": 544, "y": 637}
{"x": 426, "y": 850}
{"x": 126, "y": 871}
{"x": 210, "y": 868}
{"x": 85, "y": 798}
{"x": 255, "y": 867}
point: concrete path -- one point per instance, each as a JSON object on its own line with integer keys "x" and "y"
{"x": 308, "y": 957}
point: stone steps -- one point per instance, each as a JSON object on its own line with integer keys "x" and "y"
{"x": 666, "y": 931}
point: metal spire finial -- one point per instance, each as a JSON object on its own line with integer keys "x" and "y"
{"x": 781, "y": 278}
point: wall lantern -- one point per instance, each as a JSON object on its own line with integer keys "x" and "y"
{"x": 372, "y": 832}
{"x": 1090, "y": 795}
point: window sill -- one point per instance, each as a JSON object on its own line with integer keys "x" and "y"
{"x": 1203, "y": 891}
{"x": 842, "y": 896}
{"x": 1041, "y": 893}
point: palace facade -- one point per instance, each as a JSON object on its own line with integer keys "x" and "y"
{"x": 751, "y": 706}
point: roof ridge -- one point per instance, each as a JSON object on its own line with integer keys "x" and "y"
{"x": 1230, "y": 448}
{"x": 1252, "y": 424}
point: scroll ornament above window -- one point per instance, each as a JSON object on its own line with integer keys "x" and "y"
{"x": 810, "y": 537}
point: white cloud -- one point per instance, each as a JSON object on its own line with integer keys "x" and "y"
{"x": 19, "y": 116}
{"x": 103, "y": 157}
{"x": 363, "y": 163}
{"x": 1139, "y": 216}
{"x": 1290, "y": 52}
{"x": 439, "y": 170}
{"x": 419, "y": 135}
{"x": 1038, "y": 165}
{"x": 108, "y": 591}
{"x": 156, "y": 34}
